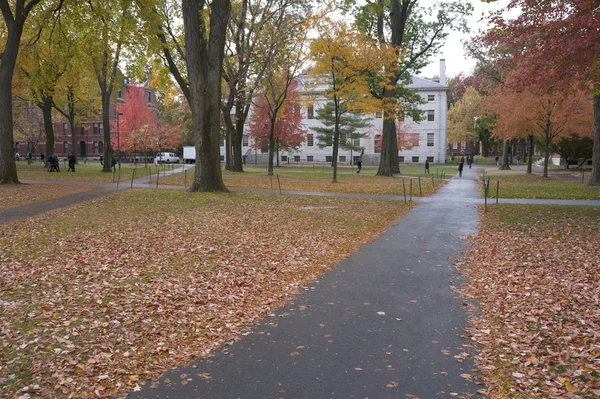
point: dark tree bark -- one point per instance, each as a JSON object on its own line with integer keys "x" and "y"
{"x": 505, "y": 149}
{"x": 8, "y": 58}
{"x": 238, "y": 134}
{"x": 595, "y": 178}
{"x": 271, "y": 147}
{"x": 204, "y": 52}
{"x": 531, "y": 149}
{"x": 46, "y": 107}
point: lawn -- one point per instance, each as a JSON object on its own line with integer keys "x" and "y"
{"x": 320, "y": 180}
{"x": 533, "y": 270}
{"x": 538, "y": 187}
{"x": 99, "y": 297}
{"x": 12, "y": 195}
{"x": 90, "y": 172}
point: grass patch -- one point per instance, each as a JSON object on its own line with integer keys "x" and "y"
{"x": 140, "y": 280}
{"x": 320, "y": 180}
{"x": 532, "y": 186}
{"x": 534, "y": 271}
{"x": 91, "y": 172}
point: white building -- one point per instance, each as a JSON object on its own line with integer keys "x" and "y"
{"x": 431, "y": 130}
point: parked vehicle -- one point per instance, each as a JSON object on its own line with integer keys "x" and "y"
{"x": 189, "y": 154}
{"x": 166, "y": 157}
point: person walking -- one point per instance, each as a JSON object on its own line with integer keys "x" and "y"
{"x": 460, "y": 168}
{"x": 518, "y": 160}
{"x": 359, "y": 165}
{"x": 497, "y": 159}
{"x": 71, "y": 163}
{"x": 427, "y": 166}
{"x": 469, "y": 161}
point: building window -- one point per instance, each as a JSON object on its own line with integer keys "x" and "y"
{"x": 463, "y": 145}
{"x": 101, "y": 147}
{"x": 455, "y": 146}
{"x": 95, "y": 147}
{"x": 101, "y": 129}
{"x": 245, "y": 140}
{"x": 415, "y": 159}
{"x": 430, "y": 139}
{"x": 149, "y": 96}
{"x": 309, "y": 158}
{"x": 95, "y": 129}
{"x": 66, "y": 147}
{"x": 378, "y": 144}
{"x": 310, "y": 112}
{"x": 119, "y": 94}
{"x": 65, "y": 129}
{"x": 222, "y": 158}
{"x": 328, "y": 158}
{"x": 296, "y": 158}
{"x": 430, "y": 159}
{"x": 222, "y": 141}
{"x": 431, "y": 115}
{"x": 378, "y": 114}
{"x": 401, "y": 158}
{"x": 431, "y": 97}
{"x": 284, "y": 158}
{"x": 310, "y": 140}
{"x": 82, "y": 129}
{"x": 342, "y": 158}
{"x": 356, "y": 142}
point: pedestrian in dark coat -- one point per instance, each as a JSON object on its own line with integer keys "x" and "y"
{"x": 359, "y": 165}
{"x": 460, "y": 168}
{"x": 427, "y": 166}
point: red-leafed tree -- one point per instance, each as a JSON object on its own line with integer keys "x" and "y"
{"x": 289, "y": 131}
{"x": 553, "y": 45}
{"x": 136, "y": 121}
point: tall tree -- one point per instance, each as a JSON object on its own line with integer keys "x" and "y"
{"x": 554, "y": 45}
{"x": 289, "y": 131}
{"x": 462, "y": 117}
{"x": 347, "y": 62}
{"x": 204, "y": 55}
{"x": 15, "y": 14}
{"x": 409, "y": 30}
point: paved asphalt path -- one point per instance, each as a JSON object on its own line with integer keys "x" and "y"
{"x": 374, "y": 327}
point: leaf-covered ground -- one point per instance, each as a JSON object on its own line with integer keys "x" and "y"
{"x": 299, "y": 179}
{"x": 538, "y": 187}
{"x": 91, "y": 172}
{"x": 96, "y": 298}
{"x": 535, "y": 271}
{"x": 12, "y": 195}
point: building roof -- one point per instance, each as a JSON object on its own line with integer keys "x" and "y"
{"x": 425, "y": 84}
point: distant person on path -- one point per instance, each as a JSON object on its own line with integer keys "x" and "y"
{"x": 460, "y": 168}
{"x": 427, "y": 166}
{"x": 113, "y": 163}
{"x": 359, "y": 165}
{"x": 518, "y": 160}
{"x": 101, "y": 158}
{"x": 53, "y": 162}
{"x": 71, "y": 163}
{"x": 17, "y": 155}
{"x": 497, "y": 159}
{"x": 469, "y": 161}
{"x": 42, "y": 158}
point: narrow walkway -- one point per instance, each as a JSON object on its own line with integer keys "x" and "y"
{"x": 385, "y": 323}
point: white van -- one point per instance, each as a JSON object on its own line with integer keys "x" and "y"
{"x": 166, "y": 157}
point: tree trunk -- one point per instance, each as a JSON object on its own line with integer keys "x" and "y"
{"x": 46, "y": 107}
{"x": 71, "y": 101}
{"x": 238, "y": 136}
{"x": 336, "y": 142}
{"x": 73, "y": 138}
{"x": 108, "y": 151}
{"x": 204, "y": 64}
{"x": 388, "y": 163}
{"x": 595, "y": 178}
{"x": 271, "y": 147}
{"x": 531, "y": 149}
{"x": 8, "y": 58}
{"x": 505, "y": 165}
{"x": 228, "y": 136}
{"x": 546, "y": 154}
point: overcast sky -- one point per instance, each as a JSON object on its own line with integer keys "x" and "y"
{"x": 453, "y": 51}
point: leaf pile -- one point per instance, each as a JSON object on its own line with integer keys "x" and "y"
{"x": 348, "y": 183}
{"x": 99, "y": 297}
{"x": 535, "y": 272}
{"x": 22, "y": 194}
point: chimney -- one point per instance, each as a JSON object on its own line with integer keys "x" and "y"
{"x": 443, "y": 71}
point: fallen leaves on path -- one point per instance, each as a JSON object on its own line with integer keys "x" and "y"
{"x": 99, "y": 297}
{"x": 12, "y": 195}
{"x": 535, "y": 272}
